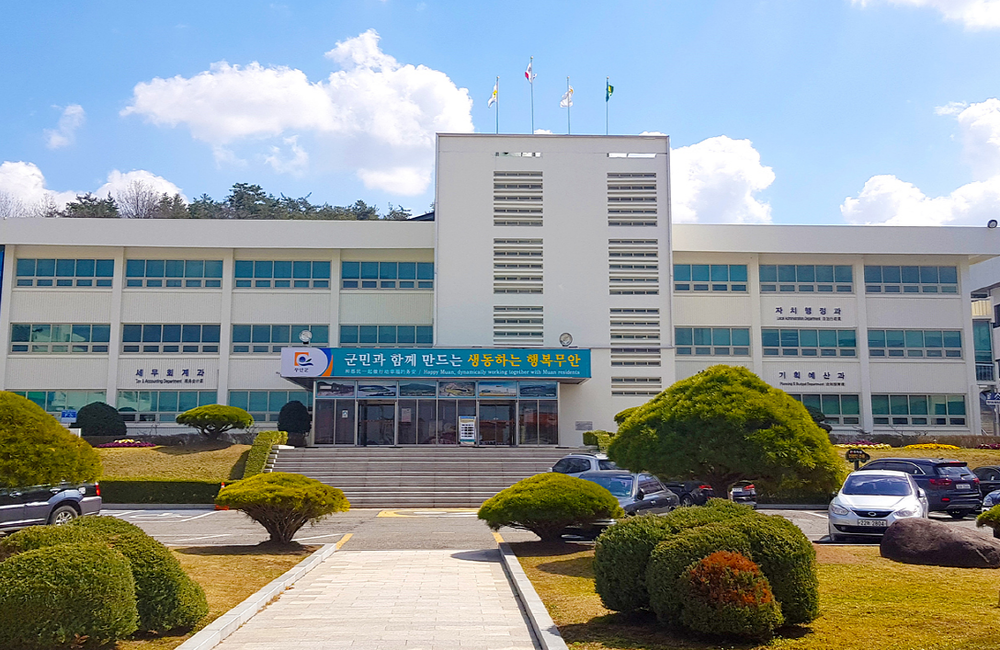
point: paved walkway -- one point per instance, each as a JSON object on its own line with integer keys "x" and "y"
{"x": 384, "y": 600}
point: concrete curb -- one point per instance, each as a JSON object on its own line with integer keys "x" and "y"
{"x": 541, "y": 623}
{"x": 790, "y": 506}
{"x": 216, "y": 632}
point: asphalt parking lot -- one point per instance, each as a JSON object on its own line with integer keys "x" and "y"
{"x": 375, "y": 529}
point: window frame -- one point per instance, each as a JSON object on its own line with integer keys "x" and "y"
{"x": 710, "y": 278}
{"x": 152, "y": 338}
{"x": 282, "y": 274}
{"x": 156, "y": 414}
{"x": 810, "y": 350}
{"x": 94, "y": 274}
{"x": 720, "y": 341}
{"x": 879, "y": 347}
{"x": 254, "y": 339}
{"x": 378, "y": 336}
{"x": 893, "y": 415}
{"x": 804, "y": 278}
{"x": 45, "y": 345}
{"x": 356, "y": 275}
{"x": 193, "y": 274}
{"x": 910, "y": 280}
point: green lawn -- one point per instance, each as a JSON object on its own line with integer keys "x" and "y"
{"x": 868, "y": 603}
{"x": 210, "y": 461}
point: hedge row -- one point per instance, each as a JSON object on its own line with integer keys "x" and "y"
{"x": 260, "y": 450}
{"x": 158, "y": 491}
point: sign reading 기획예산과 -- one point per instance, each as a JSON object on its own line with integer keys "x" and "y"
{"x": 565, "y": 363}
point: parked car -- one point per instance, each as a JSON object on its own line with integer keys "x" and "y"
{"x": 871, "y": 500}
{"x": 991, "y": 499}
{"x": 576, "y": 464}
{"x": 636, "y": 493}
{"x": 691, "y": 493}
{"x": 47, "y": 504}
{"x": 744, "y": 492}
{"x": 989, "y": 478}
{"x": 950, "y": 485}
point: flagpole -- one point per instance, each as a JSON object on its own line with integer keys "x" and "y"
{"x": 531, "y": 83}
{"x": 569, "y": 107}
{"x": 498, "y": 104}
{"x": 607, "y": 84}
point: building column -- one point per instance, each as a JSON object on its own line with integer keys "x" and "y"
{"x": 864, "y": 366}
{"x": 115, "y": 339}
{"x": 6, "y": 294}
{"x": 225, "y": 327}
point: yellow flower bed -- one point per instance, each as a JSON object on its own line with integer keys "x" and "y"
{"x": 880, "y": 445}
{"x": 931, "y": 445}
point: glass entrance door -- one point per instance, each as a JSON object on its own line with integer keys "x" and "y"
{"x": 376, "y": 422}
{"x": 497, "y": 422}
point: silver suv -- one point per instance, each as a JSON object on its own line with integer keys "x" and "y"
{"x": 576, "y": 464}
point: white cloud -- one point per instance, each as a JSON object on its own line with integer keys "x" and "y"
{"x": 973, "y": 14}
{"x": 117, "y": 182}
{"x": 885, "y": 199}
{"x": 375, "y": 116}
{"x": 73, "y": 117}
{"x": 652, "y": 133}
{"x": 543, "y": 132}
{"x": 715, "y": 181}
{"x": 296, "y": 163}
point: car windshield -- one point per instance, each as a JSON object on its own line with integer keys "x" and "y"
{"x": 606, "y": 464}
{"x": 894, "y": 486}
{"x": 619, "y": 486}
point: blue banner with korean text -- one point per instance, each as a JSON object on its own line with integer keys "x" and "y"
{"x": 528, "y": 363}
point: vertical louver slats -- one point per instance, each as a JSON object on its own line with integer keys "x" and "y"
{"x": 633, "y": 267}
{"x": 517, "y": 198}
{"x": 515, "y": 325}
{"x": 635, "y": 336}
{"x": 632, "y": 198}
{"x": 517, "y": 266}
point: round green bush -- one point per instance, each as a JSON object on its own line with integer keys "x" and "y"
{"x": 167, "y": 597}
{"x": 989, "y": 518}
{"x": 28, "y": 539}
{"x": 55, "y": 596}
{"x": 788, "y": 559}
{"x": 674, "y": 555}
{"x": 282, "y": 502}
{"x": 100, "y": 419}
{"x": 36, "y": 450}
{"x": 726, "y": 594}
{"x": 547, "y": 503}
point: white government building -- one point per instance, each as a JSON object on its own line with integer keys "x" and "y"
{"x": 547, "y": 292}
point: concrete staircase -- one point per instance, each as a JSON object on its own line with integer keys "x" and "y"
{"x": 418, "y": 477}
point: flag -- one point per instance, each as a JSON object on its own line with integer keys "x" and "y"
{"x": 529, "y": 75}
{"x": 493, "y": 97}
{"x": 608, "y": 92}
{"x": 567, "y": 98}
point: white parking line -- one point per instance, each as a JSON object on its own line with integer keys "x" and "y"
{"x": 302, "y": 539}
{"x": 211, "y": 512}
{"x": 816, "y": 514}
{"x": 196, "y": 539}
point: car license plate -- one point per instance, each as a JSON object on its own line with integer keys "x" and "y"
{"x": 873, "y": 523}
{"x": 963, "y": 486}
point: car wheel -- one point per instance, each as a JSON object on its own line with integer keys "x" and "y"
{"x": 958, "y": 514}
{"x": 62, "y": 515}
{"x": 687, "y": 500}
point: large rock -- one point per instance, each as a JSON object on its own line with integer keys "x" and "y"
{"x": 923, "y": 541}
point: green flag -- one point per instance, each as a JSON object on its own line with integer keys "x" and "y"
{"x": 608, "y": 92}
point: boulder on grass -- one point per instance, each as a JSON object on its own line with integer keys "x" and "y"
{"x": 923, "y": 541}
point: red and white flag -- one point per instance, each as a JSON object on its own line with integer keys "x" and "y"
{"x": 528, "y": 74}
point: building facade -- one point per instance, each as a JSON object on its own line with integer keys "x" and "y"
{"x": 549, "y": 292}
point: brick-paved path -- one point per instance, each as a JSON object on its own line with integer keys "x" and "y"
{"x": 387, "y": 600}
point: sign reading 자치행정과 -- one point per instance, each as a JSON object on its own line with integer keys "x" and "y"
{"x": 568, "y": 363}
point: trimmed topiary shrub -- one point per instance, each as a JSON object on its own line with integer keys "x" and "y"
{"x": 547, "y": 503}
{"x": 621, "y": 554}
{"x": 36, "y": 450}
{"x": 294, "y": 418}
{"x": 167, "y": 597}
{"x": 726, "y": 594}
{"x": 213, "y": 420}
{"x": 788, "y": 559}
{"x": 59, "y": 595}
{"x": 260, "y": 449}
{"x": 28, "y": 539}
{"x": 990, "y": 518}
{"x": 282, "y": 502}
{"x": 673, "y": 556}
{"x": 100, "y": 419}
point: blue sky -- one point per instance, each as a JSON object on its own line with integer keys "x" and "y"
{"x": 869, "y": 111}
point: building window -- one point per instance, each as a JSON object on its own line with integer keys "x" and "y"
{"x": 838, "y": 409}
{"x": 915, "y": 344}
{"x": 281, "y": 274}
{"x": 269, "y": 339}
{"x": 806, "y": 278}
{"x": 982, "y": 335}
{"x": 387, "y": 275}
{"x": 264, "y": 405}
{"x": 170, "y": 338}
{"x": 64, "y": 273}
{"x": 160, "y": 405}
{"x": 46, "y": 338}
{"x": 713, "y": 341}
{"x": 376, "y": 335}
{"x": 935, "y": 410}
{"x": 808, "y": 343}
{"x": 188, "y": 274}
{"x": 54, "y": 401}
{"x": 911, "y": 279}
{"x": 710, "y": 277}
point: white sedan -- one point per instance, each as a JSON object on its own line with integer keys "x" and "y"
{"x": 870, "y": 501}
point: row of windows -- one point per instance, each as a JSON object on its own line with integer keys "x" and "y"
{"x": 710, "y": 277}
{"x": 170, "y": 338}
{"x": 282, "y": 274}
{"x": 64, "y": 272}
{"x": 55, "y": 401}
{"x": 911, "y": 279}
{"x": 808, "y": 343}
{"x": 46, "y": 338}
{"x": 717, "y": 341}
{"x": 838, "y": 409}
{"x": 919, "y": 409}
{"x": 173, "y": 273}
{"x": 161, "y": 405}
{"x": 386, "y": 335}
{"x": 265, "y": 405}
{"x": 806, "y": 278}
{"x": 264, "y": 339}
{"x": 915, "y": 343}
{"x": 387, "y": 275}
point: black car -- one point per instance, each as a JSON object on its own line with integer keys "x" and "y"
{"x": 47, "y": 504}
{"x": 950, "y": 485}
{"x": 637, "y": 494}
{"x": 989, "y": 478}
{"x": 691, "y": 493}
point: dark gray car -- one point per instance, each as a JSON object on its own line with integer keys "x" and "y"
{"x": 637, "y": 494}
{"x": 47, "y": 504}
